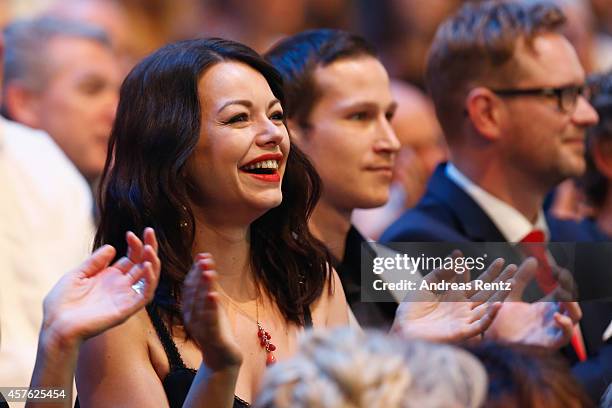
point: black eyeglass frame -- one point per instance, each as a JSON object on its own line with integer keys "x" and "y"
{"x": 574, "y": 92}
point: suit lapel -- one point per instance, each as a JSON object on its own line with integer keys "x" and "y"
{"x": 470, "y": 219}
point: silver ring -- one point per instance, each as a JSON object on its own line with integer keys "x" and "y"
{"x": 139, "y": 286}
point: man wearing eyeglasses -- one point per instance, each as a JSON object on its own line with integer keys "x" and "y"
{"x": 509, "y": 93}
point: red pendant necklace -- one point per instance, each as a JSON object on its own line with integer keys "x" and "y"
{"x": 264, "y": 341}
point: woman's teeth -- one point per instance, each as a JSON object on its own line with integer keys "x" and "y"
{"x": 266, "y": 164}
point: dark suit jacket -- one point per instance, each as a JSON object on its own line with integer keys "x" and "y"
{"x": 447, "y": 213}
{"x": 377, "y": 315}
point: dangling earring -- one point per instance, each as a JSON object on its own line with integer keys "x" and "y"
{"x": 183, "y": 223}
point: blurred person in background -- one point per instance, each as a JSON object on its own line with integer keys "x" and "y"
{"x": 580, "y": 31}
{"x": 403, "y": 30}
{"x": 593, "y": 47}
{"x": 597, "y": 181}
{"x": 422, "y": 149}
{"x": 112, "y": 17}
{"x": 62, "y": 77}
{"x": 256, "y": 23}
{"x": 338, "y": 14}
{"x": 5, "y": 14}
{"x": 155, "y": 23}
{"x": 603, "y": 14}
{"x": 46, "y": 227}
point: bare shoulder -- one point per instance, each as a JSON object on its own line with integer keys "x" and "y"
{"x": 331, "y": 308}
{"x": 115, "y": 368}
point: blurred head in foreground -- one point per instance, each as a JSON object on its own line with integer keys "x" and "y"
{"x": 347, "y": 368}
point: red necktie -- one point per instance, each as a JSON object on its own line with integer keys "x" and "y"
{"x": 538, "y": 250}
{"x": 546, "y": 280}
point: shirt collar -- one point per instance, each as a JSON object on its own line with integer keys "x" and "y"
{"x": 511, "y": 223}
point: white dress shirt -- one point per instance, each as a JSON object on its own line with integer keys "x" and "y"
{"x": 46, "y": 229}
{"x": 513, "y": 225}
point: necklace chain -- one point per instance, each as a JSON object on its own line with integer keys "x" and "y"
{"x": 241, "y": 310}
{"x": 263, "y": 336}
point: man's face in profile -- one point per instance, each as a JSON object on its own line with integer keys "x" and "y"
{"x": 350, "y": 139}
{"x": 544, "y": 138}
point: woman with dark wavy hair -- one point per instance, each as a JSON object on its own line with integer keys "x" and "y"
{"x": 200, "y": 152}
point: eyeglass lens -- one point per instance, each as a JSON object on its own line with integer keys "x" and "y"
{"x": 569, "y": 96}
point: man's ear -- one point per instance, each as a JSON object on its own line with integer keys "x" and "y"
{"x": 602, "y": 157}
{"x": 484, "y": 110}
{"x": 22, "y": 104}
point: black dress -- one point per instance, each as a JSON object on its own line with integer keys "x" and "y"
{"x": 179, "y": 379}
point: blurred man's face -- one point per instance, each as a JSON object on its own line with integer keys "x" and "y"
{"x": 544, "y": 140}
{"x": 350, "y": 139}
{"x": 416, "y": 126}
{"x": 77, "y": 106}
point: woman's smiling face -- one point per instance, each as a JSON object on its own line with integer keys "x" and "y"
{"x": 239, "y": 161}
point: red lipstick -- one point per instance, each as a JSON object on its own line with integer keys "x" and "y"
{"x": 273, "y": 178}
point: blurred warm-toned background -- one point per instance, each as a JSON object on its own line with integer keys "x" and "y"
{"x": 401, "y": 29}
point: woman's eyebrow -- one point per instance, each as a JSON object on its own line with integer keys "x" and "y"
{"x": 243, "y": 102}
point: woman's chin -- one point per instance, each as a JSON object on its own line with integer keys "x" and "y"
{"x": 265, "y": 202}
